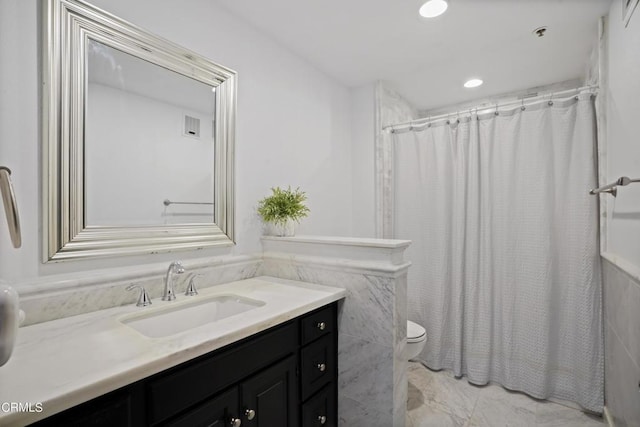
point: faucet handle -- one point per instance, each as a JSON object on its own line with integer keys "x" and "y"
{"x": 177, "y": 267}
{"x": 143, "y": 298}
{"x": 191, "y": 288}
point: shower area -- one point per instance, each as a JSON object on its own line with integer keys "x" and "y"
{"x": 506, "y": 274}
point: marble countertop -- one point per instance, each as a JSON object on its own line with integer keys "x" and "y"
{"x": 62, "y": 363}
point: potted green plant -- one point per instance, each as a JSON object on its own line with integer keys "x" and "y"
{"x": 282, "y": 209}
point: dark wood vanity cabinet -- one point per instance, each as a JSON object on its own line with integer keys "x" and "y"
{"x": 285, "y": 376}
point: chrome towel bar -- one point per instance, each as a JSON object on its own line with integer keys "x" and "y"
{"x": 613, "y": 187}
{"x": 168, "y": 202}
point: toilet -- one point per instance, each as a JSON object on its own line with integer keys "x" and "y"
{"x": 416, "y": 339}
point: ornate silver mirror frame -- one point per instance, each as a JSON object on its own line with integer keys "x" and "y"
{"x": 68, "y": 27}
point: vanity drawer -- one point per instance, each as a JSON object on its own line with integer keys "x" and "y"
{"x": 317, "y": 365}
{"x": 320, "y": 410}
{"x": 194, "y": 382}
{"x": 318, "y": 324}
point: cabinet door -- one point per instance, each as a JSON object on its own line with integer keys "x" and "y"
{"x": 217, "y": 412}
{"x": 269, "y": 398}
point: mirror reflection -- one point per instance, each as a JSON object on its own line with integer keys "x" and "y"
{"x": 149, "y": 142}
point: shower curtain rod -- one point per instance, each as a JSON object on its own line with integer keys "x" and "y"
{"x": 523, "y": 101}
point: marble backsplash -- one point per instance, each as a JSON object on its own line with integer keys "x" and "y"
{"x": 71, "y": 294}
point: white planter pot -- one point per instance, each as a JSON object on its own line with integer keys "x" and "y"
{"x": 287, "y": 229}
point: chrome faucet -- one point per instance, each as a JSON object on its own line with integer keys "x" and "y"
{"x": 174, "y": 268}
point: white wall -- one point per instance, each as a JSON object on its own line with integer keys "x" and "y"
{"x": 362, "y": 160}
{"x": 293, "y": 124}
{"x": 622, "y": 92}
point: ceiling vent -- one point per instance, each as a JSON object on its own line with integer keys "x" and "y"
{"x": 191, "y": 126}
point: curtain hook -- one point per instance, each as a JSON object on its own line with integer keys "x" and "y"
{"x": 522, "y": 107}
{"x": 429, "y": 120}
{"x": 551, "y": 99}
{"x": 458, "y": 117}
{"x": 448, "y": 119}
{"x": 496, "y": 112}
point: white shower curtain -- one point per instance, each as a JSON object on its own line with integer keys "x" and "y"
{"x": 506, "y": 270}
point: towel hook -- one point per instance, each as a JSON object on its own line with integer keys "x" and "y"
{"x": 10, "y": 206}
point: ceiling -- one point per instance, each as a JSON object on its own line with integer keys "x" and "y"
{"x": 128, "y": 73}
{"x": 427, "y": 60}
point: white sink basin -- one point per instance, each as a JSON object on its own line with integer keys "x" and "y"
{"x": 171, "y": 320}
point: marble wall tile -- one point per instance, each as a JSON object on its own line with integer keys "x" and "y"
{"x": 368, "y": 309}
{"x": 401, "y": 389}
{"x": 400, "y": 343}
{"x": 632, "y": 308}
{"x": 622, "y": 345}
{"x": 616, "y": 289}
{"x": 365, "y": 372}
{"x": 400, "y": 312}
{"x": 612, "y": 384}
{"x": 372, "y": 332}
{"x": 621, "y": 382}
{"x": 353, "y": 413}
{"x": 63, "y": 296}
{"x": 391, "y": 108}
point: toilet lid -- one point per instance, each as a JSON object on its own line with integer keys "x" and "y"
{"x": 415, "y": 332}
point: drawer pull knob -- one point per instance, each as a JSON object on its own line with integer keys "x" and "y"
{"x": 322, "y": 419}
{"x": 235, "y": 422}
{"x": 322, "y": 367}
{"x": 250, "y": 414}
{"x": 322, "y": 326}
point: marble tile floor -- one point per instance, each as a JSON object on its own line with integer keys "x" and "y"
{"x": 438, "y": 399}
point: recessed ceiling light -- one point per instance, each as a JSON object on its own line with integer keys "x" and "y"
{"x": 473, "y": 83}
{"x": 433, "y": 8}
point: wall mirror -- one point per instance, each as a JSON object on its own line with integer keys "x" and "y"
{"x": 137, "y": 142}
